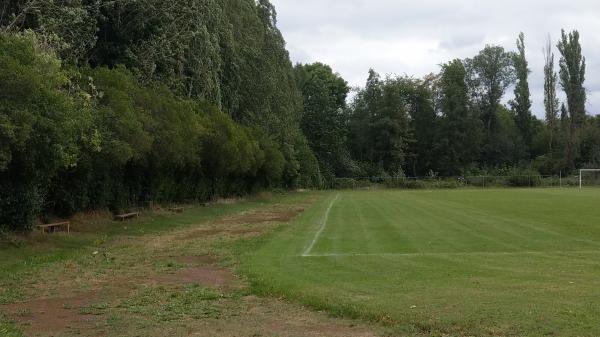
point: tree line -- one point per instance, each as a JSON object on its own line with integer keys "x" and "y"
{"x": 112, "y": 104}
{"x": 454, "y": 123}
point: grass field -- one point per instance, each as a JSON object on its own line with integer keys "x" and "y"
{"x": 504, "y": 262}
{"x": 163, "y": 274}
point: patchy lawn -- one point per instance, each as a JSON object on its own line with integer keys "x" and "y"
{"x": 163, "y": 274}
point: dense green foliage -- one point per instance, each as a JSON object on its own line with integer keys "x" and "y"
{"x": 379, "y": 124}
{"x": 114, "y": 104}
{"x": 78, "y": 139}
{"x": 449, "y": 263}
{"x": 42, "y": 128}
{"x": 324, "y": 121}
{"x": 454, "y": 123}
{"x": 460, "y": 132}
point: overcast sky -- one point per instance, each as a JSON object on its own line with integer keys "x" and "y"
{"x": 414, "y": 37}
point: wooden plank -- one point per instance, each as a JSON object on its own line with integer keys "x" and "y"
{"x": 127, "y": 215}
{"x": 48, "y": 227}
{"x": 54, "y": 224}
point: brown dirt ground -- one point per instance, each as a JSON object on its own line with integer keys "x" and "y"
{"x": 196, "y": 260}
{"x": 52, "y": 315}
{"x": 262, "y": 216}
{"x": 58, "y": 304}
{"x": 249, "y": 223}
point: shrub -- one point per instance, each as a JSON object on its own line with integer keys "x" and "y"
{"x": 40, "y": 128}
{"x": 523, "y": 178}
{"x": 79, "y": 139}
{"x": 20, "y": 204}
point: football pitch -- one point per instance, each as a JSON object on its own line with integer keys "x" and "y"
{"x": 507, "y": 262}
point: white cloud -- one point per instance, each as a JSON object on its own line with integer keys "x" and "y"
{"x": 414, "y": 37}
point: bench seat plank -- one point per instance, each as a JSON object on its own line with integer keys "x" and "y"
{"x": 52, "y": 226}
{"x": 127, "y": 215}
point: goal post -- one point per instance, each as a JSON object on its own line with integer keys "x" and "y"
{"x": 582, "y": 171}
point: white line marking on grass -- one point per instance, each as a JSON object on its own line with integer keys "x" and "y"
{"x": 316, "y": 238}
{"x": 455, "y": 254}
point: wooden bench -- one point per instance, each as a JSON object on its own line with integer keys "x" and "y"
{"x": 177, "y": 209}
{"x": 51, "y": 227}
{"x": 125, "y": 216}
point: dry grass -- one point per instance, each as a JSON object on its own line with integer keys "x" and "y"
{"x": 173, "y": 283}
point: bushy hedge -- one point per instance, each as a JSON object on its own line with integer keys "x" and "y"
{"x": 79, "y": 139}
{"x": 41, "y": 124}
{"x": 407, "y": 183}
{"x": 20, "y": 204}
{"x": 514, "y": 177}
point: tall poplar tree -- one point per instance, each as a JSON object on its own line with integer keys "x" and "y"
{"x": 551, "y": 104}
{"x": 572, "y": 77}
{"x": 521, "y": 105}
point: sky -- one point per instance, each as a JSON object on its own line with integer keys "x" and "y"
{"x": 398, "y": 37}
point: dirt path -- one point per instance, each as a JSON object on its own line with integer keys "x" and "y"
{"x": 169, "y": 284}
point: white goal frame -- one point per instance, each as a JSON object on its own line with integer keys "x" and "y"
{"x": 581, "y": 175}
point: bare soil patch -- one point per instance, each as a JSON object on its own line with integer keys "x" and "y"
{"x": 261, "y": 216}
{"x": 196, "y": 260}
{"x": 202, "y": 233}
{"x": 52, "y": 316}
{"x": 249, "y": 223}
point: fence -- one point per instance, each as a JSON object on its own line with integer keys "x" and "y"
{"x": 480, "y": 181}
